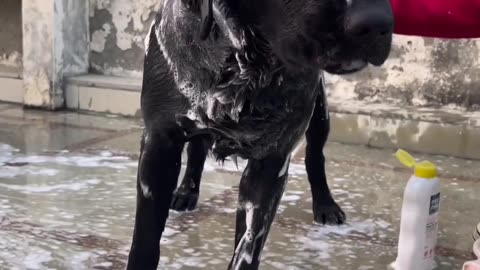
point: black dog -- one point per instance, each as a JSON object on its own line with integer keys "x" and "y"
{"x": 243, "y": 77}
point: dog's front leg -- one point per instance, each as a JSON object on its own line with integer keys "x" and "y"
{"x": 186, "y": 196}
{"x": 325, "y": 209}
{"x": 261, "y": 189}
{"x": 159, "y": 167}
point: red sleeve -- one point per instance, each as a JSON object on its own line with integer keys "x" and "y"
{"x": 437, "y": 18}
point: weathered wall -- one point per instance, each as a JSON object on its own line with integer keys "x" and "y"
{"x": 55, "y": 45}
{"x": 117, "y": 30}
{"x": 11, "y": 36}
{"x": 73, "y": 23}
{"x": 420, "y": 72}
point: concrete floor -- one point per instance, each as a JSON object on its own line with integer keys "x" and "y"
{"x": 67, "y": 197}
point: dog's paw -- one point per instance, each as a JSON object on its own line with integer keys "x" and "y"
{"x": 184, "y": 201}
{"x": 328, "y": 213}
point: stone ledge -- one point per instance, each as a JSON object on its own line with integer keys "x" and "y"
{"x": 11, "y": 88}
{"x": 443, "y": 115}
{"x": 426, "y": 130}
{"x": 104, "y": 94}
{"x": 108, "y": 82}
{"x": 11, "y": 75}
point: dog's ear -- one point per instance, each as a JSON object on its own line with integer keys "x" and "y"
{"x": 206, "y": 13}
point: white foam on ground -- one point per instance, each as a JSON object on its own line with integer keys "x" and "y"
{"x": 89, "y": 161}
{"x": 76, "y": 186}
{"x": 12, "y": 172}
{"x": 212, "y": 166}
{"x": 197, "y": 262}
{"x": 37, "y": 259}
{"x": 169, "y": 232}
{"x": 103, "y": 159}
{"x": 6, "y": 152}
{"x": 290, "y": 198}
{"x": 366, "y": 227}
{"x": 319, "y": 239}
{"x": 104, "y": 264}
{"x": 37, "y": 165}
{"x": 297, "y": 169}
{"x": 79, "y": 260}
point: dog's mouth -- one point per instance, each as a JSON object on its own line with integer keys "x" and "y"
{"x": 345, "y": 67}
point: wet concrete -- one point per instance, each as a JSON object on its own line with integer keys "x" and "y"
{"x": 67, "y": 198}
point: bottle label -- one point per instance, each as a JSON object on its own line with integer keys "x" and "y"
{"x": 432, "y": 228}
{"x": 434, "y": 203}
{"x": 431, "y": 239}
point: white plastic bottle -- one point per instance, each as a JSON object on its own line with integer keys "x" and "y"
{"x": 419, "y": 220}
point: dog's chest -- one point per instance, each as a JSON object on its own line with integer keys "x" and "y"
{"x": 274, "y": 120}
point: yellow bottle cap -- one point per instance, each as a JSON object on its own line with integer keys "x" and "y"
{"x": 424, "y": 169}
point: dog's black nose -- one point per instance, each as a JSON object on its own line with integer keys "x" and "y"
{"x": 365, "y": 25}
{"x": 370, "y": 27}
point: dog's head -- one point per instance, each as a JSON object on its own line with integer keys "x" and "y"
{"x": 339, "y": 36}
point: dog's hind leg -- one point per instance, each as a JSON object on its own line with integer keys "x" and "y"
{"x": 159, "y": 167}
{"x": 186, "y": 196}
{"x": 325, "y": 209}
{"x": 261, "y": 189}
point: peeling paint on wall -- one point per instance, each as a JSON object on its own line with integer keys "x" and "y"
{"x": 419, "y": 72}
{"x": 99, "y": 38}
{"x": 118, "y": 28}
